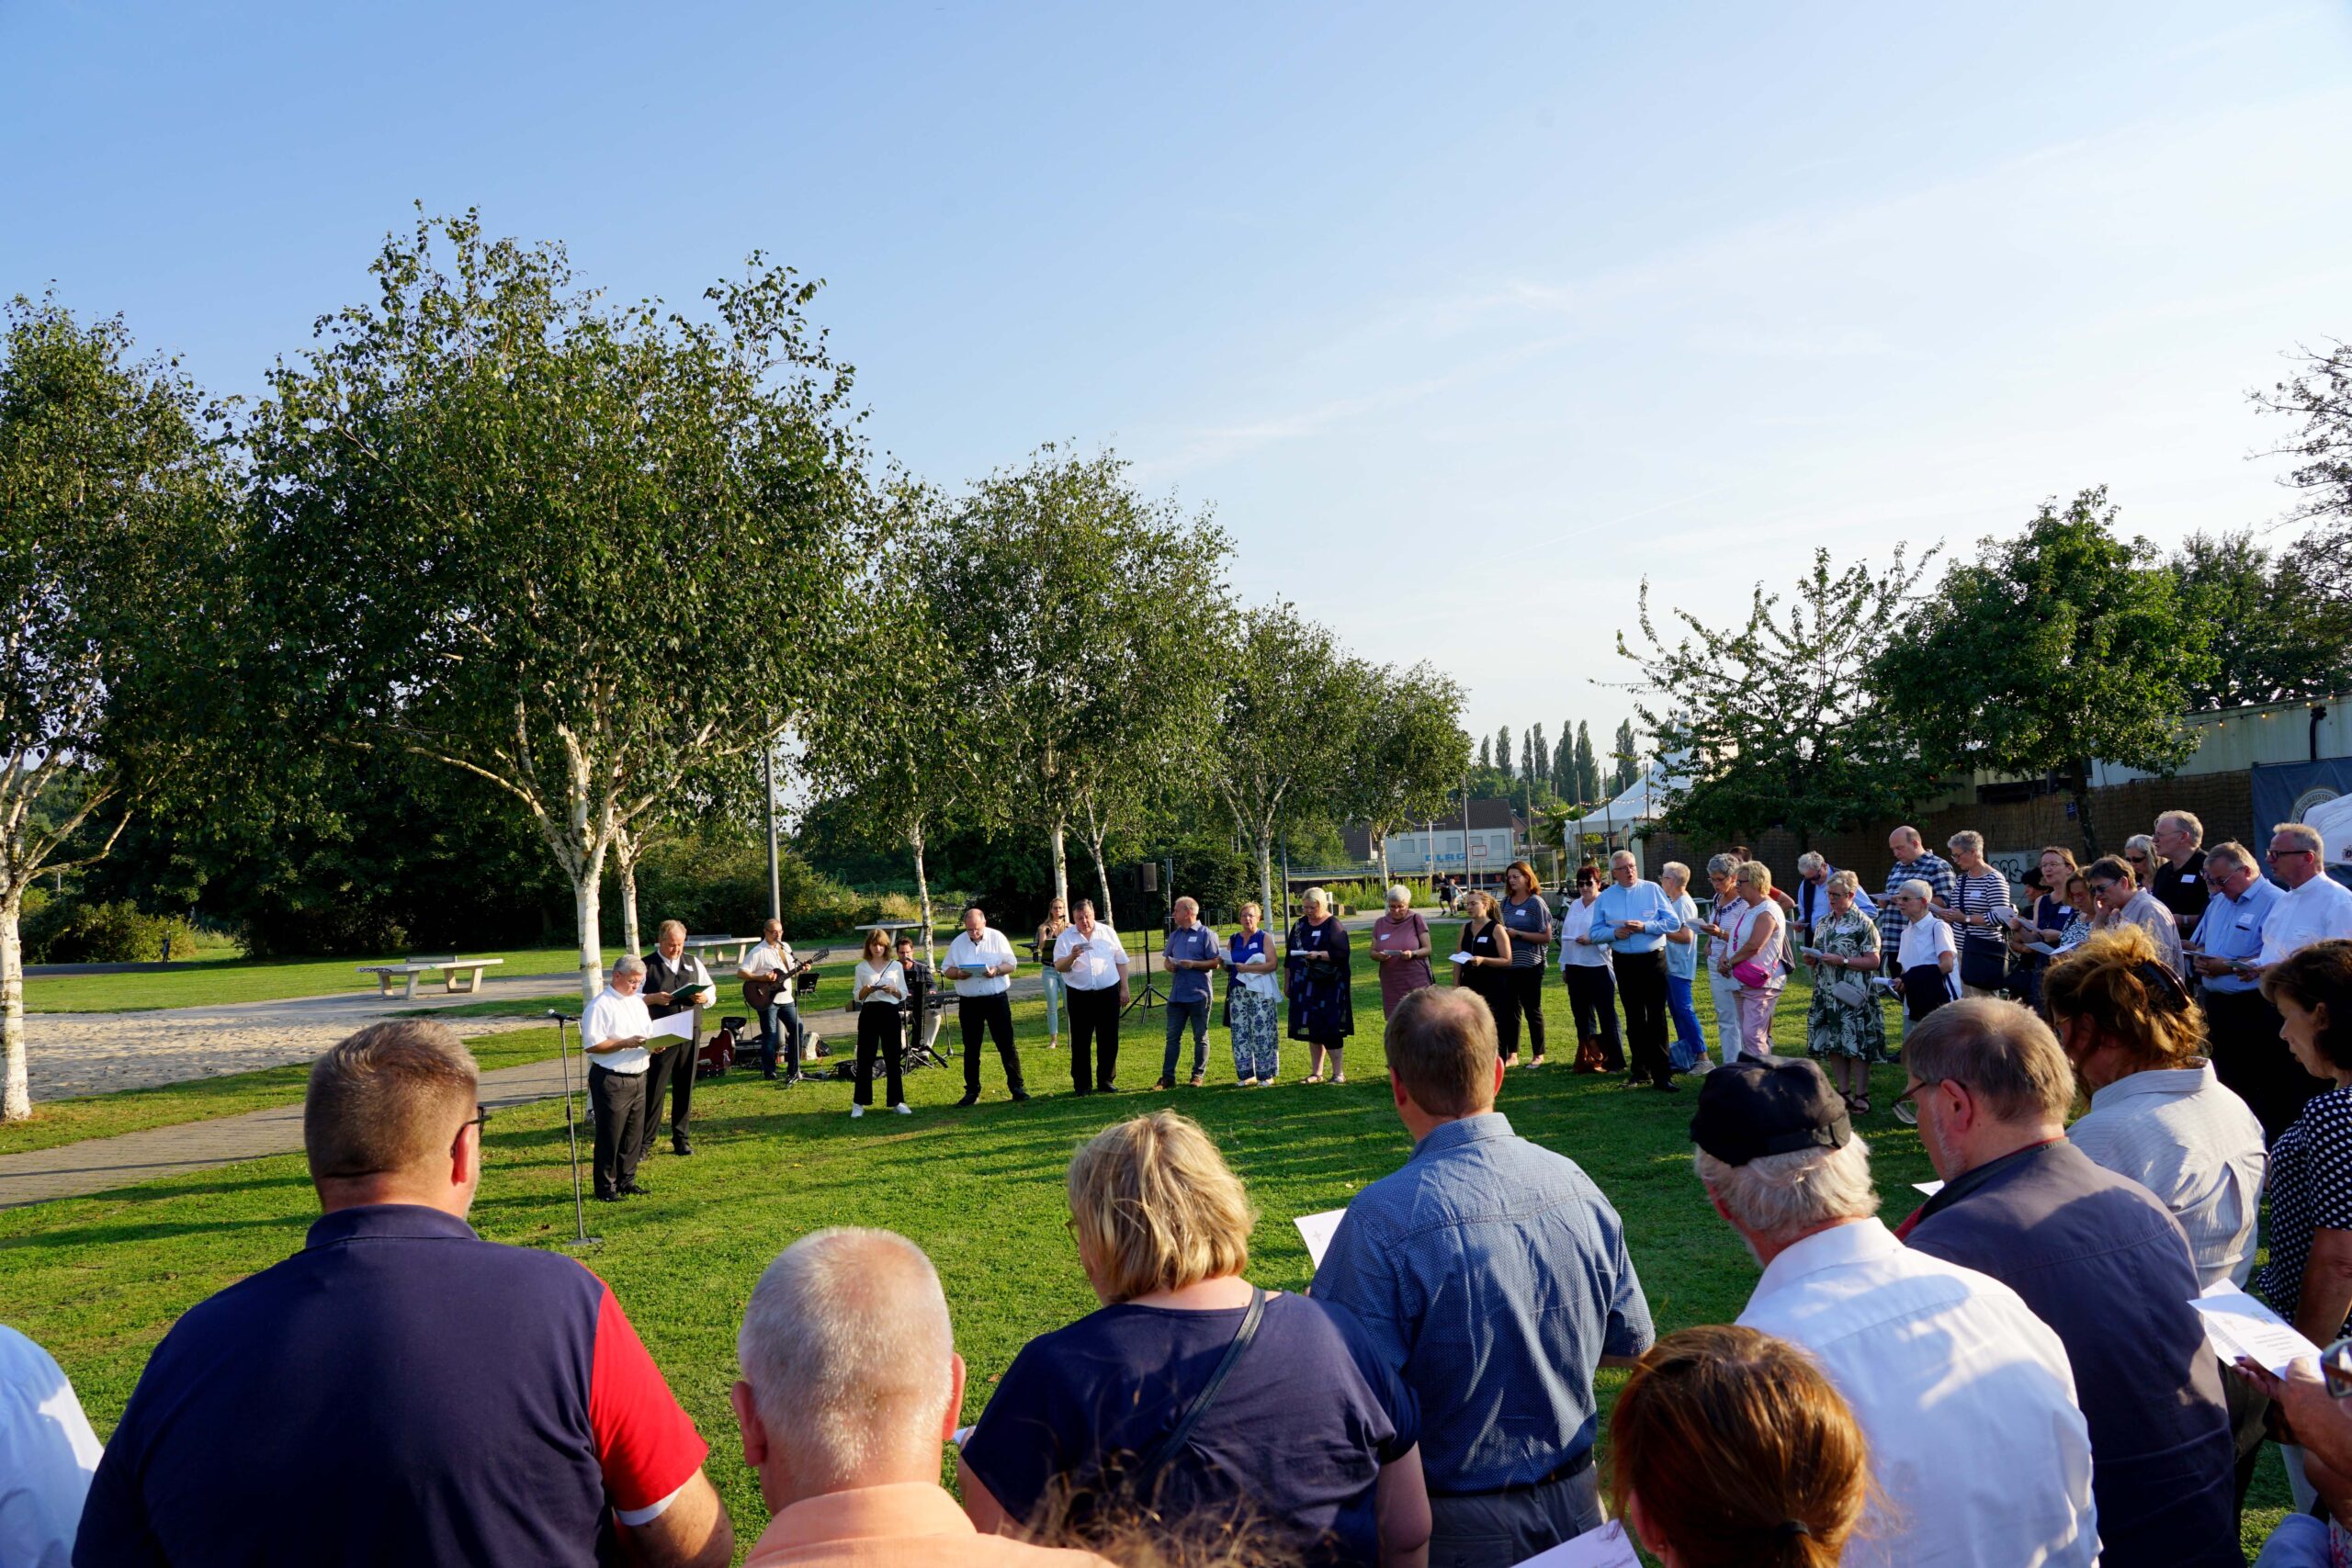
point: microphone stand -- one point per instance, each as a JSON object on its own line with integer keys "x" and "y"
{"x": 571, "y": 1131}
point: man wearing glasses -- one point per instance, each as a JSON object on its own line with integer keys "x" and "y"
{"x": 2316, "y": 908}
{"x": 2241, "y": 1028}
{"x": 401, "y": 1390}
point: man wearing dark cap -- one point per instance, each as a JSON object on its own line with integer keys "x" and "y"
{"x": 1980, "y": 1451}
{"x": 2097, "y": 1258}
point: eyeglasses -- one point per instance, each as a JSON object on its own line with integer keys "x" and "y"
{"x": 2282, "y": 854}
{"x": 2137, "y": 860}
{"x": 479, "y": 1119}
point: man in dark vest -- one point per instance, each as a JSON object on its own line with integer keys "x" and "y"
{"x": 670, "y": 969}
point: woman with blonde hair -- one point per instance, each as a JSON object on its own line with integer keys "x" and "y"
{"x": 2158, "y": 1113}
{"x": 1756, "y": 963}
{"x": 1192, "y": 1392}
{"x": 1729, "y": 1448}
{"x": 1485, "y": 968}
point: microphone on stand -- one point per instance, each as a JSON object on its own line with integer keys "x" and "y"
{"x": 570, "y": 1127}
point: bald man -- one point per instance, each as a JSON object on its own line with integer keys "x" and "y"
{"x": 851, "y": 1386}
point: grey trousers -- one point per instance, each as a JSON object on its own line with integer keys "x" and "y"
{"x": 1507, "y": 1528}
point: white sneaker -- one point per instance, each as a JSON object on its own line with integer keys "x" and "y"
{"x": 903, "y": 1109}
{"x": 855, "y": 1112}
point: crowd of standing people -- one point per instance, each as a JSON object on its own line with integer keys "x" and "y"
{"x": 2014, "y": 1373}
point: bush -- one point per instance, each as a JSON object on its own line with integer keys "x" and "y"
{"x": 1373, "y": 896}
{"x": 66, "y": 931}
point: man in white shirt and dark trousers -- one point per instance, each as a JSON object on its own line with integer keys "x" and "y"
{"x": 612, "y": 1036}
{"x": 1093, "y": 964}
{"x": 980, "y": 961}
{"x": 670, "y": 969}
{"x": 1977, "y": 1443}
{"x": 772, "y": 962}
{"x": 2316, "y": 908}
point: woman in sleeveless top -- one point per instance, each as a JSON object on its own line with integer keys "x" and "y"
{"x": 1488, "y": 971}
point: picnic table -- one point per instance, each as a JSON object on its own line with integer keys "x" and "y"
{"x": 714, "y": 949}
{"x": 451, "y": 969}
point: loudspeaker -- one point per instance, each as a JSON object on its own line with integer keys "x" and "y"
{"x": 1149, "y": 870}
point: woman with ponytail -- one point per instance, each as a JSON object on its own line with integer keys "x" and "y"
{"x": 1730, "y": 1449}
{"x": 2158, "y": 1114}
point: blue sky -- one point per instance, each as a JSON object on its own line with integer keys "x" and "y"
{"x": 1464, "y": 319}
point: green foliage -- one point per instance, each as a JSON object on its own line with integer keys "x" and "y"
{"x": 2062, "y": 645}
{"x": 2277, "y": 637}
{"x": 1409, "y": 751}
{"x": 67, "y": 931}
{"x": 2321, "y": 398}
{"x": 1588, "y": 767}
{"x": 1292, "y": 706}
{"x": 1502, "y": 748}
{"x": 1626, "y": 760}
{"x": 1778, "y": 719}
{"x": 502, "y": 527}
{"x": 715, "y": 880}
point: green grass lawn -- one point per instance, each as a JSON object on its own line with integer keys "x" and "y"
{"x": 98, "y": 1279}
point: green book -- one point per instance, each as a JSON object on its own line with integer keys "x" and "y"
{"x": 691, "y": 995}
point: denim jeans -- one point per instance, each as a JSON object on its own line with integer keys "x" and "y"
{"x": 1690, "y": 1039}
{"x": 780, "y": 1025}
{"x": 1179, "y": 1014}
{"x": 1055, "y": 986}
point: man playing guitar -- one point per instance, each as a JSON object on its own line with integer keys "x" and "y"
{"x": 767, "y": 972}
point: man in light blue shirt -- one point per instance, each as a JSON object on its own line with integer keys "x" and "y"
{"x": 2242, "y": 1030}
{"x": 1637, "y": 917}
{"x": 1494, "y": 1276}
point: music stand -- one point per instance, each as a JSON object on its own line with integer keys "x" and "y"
{"x": 572, "y": 1130}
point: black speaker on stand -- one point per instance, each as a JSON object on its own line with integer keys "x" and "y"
{"x": 1147, "y": 878}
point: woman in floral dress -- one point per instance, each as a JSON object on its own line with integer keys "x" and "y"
{"x": 1844, "y": 1035}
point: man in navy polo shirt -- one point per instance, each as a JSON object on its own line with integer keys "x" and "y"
{"x": 401, "y": 1391}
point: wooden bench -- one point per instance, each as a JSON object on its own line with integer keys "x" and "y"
{"x": 452, "y": 970}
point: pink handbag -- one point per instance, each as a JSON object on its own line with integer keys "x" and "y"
{"x": 1752, "y": 974}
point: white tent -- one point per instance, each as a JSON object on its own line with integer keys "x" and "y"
{"x": 1615, "y": 822}
{"x": 2334, "y": 820}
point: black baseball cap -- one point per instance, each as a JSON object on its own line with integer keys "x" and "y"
{"x": 1749, "y": 1110}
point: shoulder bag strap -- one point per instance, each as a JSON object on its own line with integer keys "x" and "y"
{"x": 1139, "y": 1480}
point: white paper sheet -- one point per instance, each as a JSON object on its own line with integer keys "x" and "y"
{"x": 677, "y": 1026}
{"x": 2237, "y": 1324}
{"x": 1930, "y": 1188}
{"x": 1608, "y": 1547}
{"x": 1459, "y": 958}
{"x": 1316, "y": 1231}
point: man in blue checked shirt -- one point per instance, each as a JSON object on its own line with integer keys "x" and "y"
{"x": 1494, "y": 1277}
{"x": 2242, "y": 1029}
{"x": 1636, "y": 918}
{"x": 1912, "y": 859}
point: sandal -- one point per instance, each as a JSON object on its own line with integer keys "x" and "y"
{"x": 1341, "y": 1079}
{"x": 1859, "y": 1105}
{"x": 1537, "y": 1061}
{"x": 1312, "y": 1078}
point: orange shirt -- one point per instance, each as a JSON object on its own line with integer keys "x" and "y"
{"x": 904, "y": 1525}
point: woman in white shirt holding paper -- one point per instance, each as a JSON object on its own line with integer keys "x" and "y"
{"x": 880, "y": 985}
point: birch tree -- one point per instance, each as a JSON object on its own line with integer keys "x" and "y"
{"x": 1287, "y": 724}
{"x": 1409, "y": 753}
{"x": 112, "y": 540}
{"x": 572, "y": 550}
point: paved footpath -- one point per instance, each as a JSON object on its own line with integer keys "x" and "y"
{"x": 100, "y": 1164}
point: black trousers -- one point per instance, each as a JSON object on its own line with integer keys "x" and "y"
{"x": 1493, "y": 987}
{"x": 880, "y": 1031}
{"x": 1093, "y": 1038}
{"x": 1641, "y": 981}
{"x": 617, "y": 1106}
{"x": 2253, "y": 1061}
{"x": 1592, "y": 996}
{"x": 995, "y": 1015}
{"x": 672, "y": 1073}
{"x": 1526, "y": 996}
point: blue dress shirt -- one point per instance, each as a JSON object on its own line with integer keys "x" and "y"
{"x": 2232, "y": 928}
{"x": 1643, "y": 901}
{"x": 1493, "y": 1275}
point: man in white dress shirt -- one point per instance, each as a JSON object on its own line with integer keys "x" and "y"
{"x": 51, "y": 1455}
{"x": 1093, "y": 964}
{"x": 980, "y": 961}
{"x": 1976, "y": 1440}
{"x": 611, "y": 1035}
{"x": 2316, "y": 908}
{"x": 772, "y": 962}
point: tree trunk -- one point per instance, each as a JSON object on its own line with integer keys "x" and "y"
{"x": 1266, "y": 875}
{"x": 1380, "y": 847}
{"x": 15, "y": 1097}
{"x": 587, "y": 904}
{"x": 922, "y": 894}
{"x": 1056, "y": 838}
{"x": 1102, "y": 880}
{"x": 2078, "y": 787}
{"x": 627, "y": 856}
